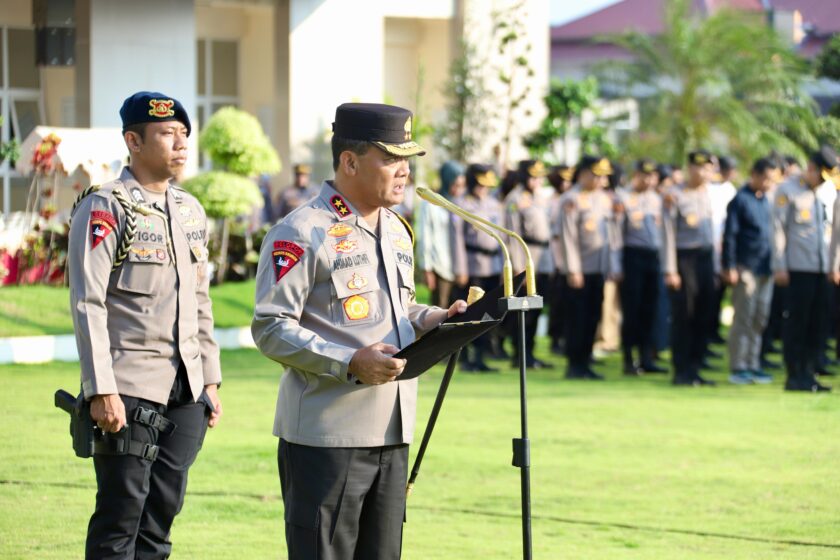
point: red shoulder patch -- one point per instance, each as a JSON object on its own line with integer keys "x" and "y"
{"x": 285, "y": 256}
{"x": 101, "y": 224}
{"x": 340, "y": 206}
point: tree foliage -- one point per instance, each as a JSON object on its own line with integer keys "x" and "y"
{"x": 565, "y": 104}
{"x": 828, "y": 62}
{"x": 465, "y": 123}
{"x": 235, "y": 141}
{"x": 724, "y": 82}
{"x": 224, "y": 195}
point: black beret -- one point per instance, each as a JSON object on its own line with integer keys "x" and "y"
{"x": 700, "y": 157}
{"x": 532, "y": 168}
{"x": 646, "y": 165}
{"x": 388, "y": 127}
{"x": 664, "y": 170}
{"x": 480, "y": 174}
{"x": 726, "y": 163}
{"x": 563, "y": 171}
{"x": 152, "y": 106}
{"x": 826, "y": 159}
{"x": 599, "y": 166}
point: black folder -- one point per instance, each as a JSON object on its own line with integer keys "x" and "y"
{"x": 454, "y": 333}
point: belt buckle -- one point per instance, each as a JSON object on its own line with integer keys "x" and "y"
{"x": 145, "y": 416}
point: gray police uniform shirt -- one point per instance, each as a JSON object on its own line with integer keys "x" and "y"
{"x": 292, "y": 197}
{"x": 555, "y": 244}
{"x": 589, "y": 233}
{"x": 474, "y": 252}
{"x": 527, "y": 214}
{"x": 800, "y": 223}
{"x": 641, "y": 221}
{"x": 328, "y": 285}
{"x": 687, "y": 223}
{"x": 134, "y": 326}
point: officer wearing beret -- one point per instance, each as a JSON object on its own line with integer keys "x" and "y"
{"x": 641, "y": 232}
{"x": 527, "y": 213}
{"x": 137, "y": 265}
{"x": 591, "y": 253}
{"x": 335, "y": 300}
{"x": 297, "y": 193}
{"x": 688, "y": 258}
{"x": 477, "y": 257}
{"x": 801, "y": 262}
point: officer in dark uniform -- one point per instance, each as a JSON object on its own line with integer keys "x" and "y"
{"x": 641, "y": 229}
{"x": 801, "y": 262}
{"x": 688, "y": 248}
{"x": 297, "y": 193}
{"x": 139, "y": 283}
{"x": 476, "y": 255}
{"x": 591, "y": 254}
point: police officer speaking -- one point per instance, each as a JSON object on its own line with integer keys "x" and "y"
{"x": 334, "y": 302}
{"x": 139, "y": 300}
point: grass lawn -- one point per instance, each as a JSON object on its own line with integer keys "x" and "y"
{"x": 626, "y": 469}
{"x": 45, "y": 310}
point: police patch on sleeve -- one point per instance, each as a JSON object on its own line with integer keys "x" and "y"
{"x": 102, "y": 223}
{"x": 285, "y": 256}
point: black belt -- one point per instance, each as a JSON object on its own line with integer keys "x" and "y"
{"x": 532, "y": 241}
{"x": 483, "y": 251}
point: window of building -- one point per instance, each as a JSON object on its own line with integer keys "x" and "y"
{"x": 21, "y": 105}
{"x": 217, "y": 80}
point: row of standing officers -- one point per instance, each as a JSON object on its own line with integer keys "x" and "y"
{"x": 649, "y": 239}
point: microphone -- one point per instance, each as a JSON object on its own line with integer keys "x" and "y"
{"x": 477, "y": 222}
{"x": 530, "y": 278}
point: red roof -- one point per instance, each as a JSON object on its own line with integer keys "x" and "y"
{"x": 822, "y": 14}
{"x": 644, "y": 16}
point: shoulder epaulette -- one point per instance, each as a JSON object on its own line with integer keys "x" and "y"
{"x": 406, "y": 224}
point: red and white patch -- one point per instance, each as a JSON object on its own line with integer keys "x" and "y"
{"x": 101, "y": 224}
{"x": 285, "y": 256}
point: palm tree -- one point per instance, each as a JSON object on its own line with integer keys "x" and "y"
{"x": 726, "y": 81}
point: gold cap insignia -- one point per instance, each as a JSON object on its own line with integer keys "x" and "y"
{"x": 407, "y": 128}
{"x": 161, "y": 108}
{"x": 602, "y": 168}
{"x": 537, "y": 170}
{"x": 487, "y": 179}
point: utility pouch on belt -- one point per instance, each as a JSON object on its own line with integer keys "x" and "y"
{"x": 121, "y": 443}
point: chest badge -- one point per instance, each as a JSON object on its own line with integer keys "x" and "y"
{"x": 142, "y": 253}
{"x": 339, "y": 230}
{"x": 357, "y": 282}
{"x": 356, "y": 308}
{"x": 403, "y": 243}
{"x": 692, "y": 220}
{"x": 346, "y": 246}
{"x": 590, "y": 225}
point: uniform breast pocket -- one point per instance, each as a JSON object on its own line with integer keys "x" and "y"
{"x": 407, "y": 291}
{"x": 141, "y": 272}
{"x": 356, "y": 297}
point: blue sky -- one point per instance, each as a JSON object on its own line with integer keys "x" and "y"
{"x": 561, "y": 11}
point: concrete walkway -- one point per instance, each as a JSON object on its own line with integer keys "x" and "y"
{"x": 62, "y": 348}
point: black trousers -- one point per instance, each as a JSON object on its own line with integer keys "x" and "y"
{"x": 806, "y": 308}
{"x": 774, "y": 328}
{"x": 136, "y": 499}
{"x": 639, "y": 301}
{"x": 557, "y": 310}
{"x": 691, "y": 307}
{"x": 543, "y": 281}
{"x": 583, "y": 306}
{"x": 343, "y": 503}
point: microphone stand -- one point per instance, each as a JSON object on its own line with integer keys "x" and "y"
{"x": 519, "y": 305}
